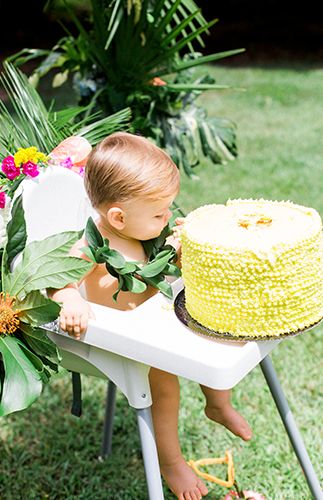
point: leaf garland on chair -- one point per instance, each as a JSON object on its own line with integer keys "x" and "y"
{"x": 134, "y": 276}
{"x": 26, "y": 352}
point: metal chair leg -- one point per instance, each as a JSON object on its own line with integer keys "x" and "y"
{"x": 291, "y": 427}
{"x": 149, "y": 452}
{"x": 108, "y": 420}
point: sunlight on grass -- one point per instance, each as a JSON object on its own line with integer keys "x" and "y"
{"x": 47, "y": 453}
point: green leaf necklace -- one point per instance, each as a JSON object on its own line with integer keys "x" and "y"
{"x": 134, "y": 276}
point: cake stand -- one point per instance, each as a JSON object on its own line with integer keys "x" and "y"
{"x": 184, "y": 316}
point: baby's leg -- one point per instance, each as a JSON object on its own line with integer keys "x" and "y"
{"x": 218, "y": 408}
{"x": 178, "y": 475}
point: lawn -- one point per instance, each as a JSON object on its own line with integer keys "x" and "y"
{"x": 47, "y": 453}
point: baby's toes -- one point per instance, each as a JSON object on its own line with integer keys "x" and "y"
{"x": 202, "y": 488}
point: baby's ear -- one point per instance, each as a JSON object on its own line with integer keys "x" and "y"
{"x": 116, "y": 217}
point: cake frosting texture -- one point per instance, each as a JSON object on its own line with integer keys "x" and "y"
{"x": 253, "y": 267}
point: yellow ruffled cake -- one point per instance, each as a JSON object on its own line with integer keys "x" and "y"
{"x": 253, "y": 267}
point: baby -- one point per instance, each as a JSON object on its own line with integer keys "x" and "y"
{"x": 132, "y": 184}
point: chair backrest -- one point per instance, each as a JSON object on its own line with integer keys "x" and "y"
{"x": 53, "y": 202}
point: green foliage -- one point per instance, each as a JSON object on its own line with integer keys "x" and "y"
{"x": 153, "y": 273}
{"x": 32, "y": 124}
{"x": 16, "y": 233}
{"x": 45, "y": 264}
{"x": 142, "y": 55}
{"x": 22, "y": 382}
{"x": 25, "y": 349}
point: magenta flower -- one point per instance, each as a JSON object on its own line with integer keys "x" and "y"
{"x": 2, "y": 199}
{"x": 29, "y": 168}
{"x": 67, "y": 163}
{"x": 9, "y": 168}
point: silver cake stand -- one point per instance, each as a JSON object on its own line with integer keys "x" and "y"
{"x": 184, "y": 316}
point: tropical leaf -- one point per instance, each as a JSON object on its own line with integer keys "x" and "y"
{"x": 161, "y": 284}
{"x": 50, "y": 274}
{"x": 172, "y": 270}
{"x": 156, "y": 266}
{"x": 134, "y": 285}
{"x": 152, "y": 247}
{"x": 117, "y": 62}
{"x": 38, "y": 253}
{"x": 36, "y": 309}
{"x": 31, "y": 125}
{"x": 115, "y": 258}
{"x": 16, "y": 236}
{"x": 198, "y": 60}
{"x": 95, "y": 132}
{"x": 22, "y": 383}
{"x": 34, "y": 124}
{"x": 39, "y": 342}
{"x": 92, "y": 234}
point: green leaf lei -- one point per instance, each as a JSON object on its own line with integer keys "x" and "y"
{"x": 134, "y": 276}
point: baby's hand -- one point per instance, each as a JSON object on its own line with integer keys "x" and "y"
{"x": 177, "y": 229}
{"x": 75, "y": 312}
{"x": 174, "y": 238}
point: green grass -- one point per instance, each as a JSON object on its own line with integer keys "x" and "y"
{"x": 47, "y": 453}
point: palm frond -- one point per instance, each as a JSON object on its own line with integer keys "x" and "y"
{"x": 196, "y": 61}
{"x": 32, "y": 124}
{"x": 114, "y": 22}
{"x": 119, "y": 62}
{"x": 95, "y": 132}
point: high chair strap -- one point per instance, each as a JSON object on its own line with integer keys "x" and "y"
{"x": 76, "y": 409}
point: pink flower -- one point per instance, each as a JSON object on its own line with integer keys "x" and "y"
{"x": 9, "y": 168}
{"x": 29, "y": 168}
{"x": 76, "y": 148}
{"x": 247, "y": 494}
{"x": 67, "y": 163}
{"x": 253, "y": 495}
{"x": 2, "y": 199}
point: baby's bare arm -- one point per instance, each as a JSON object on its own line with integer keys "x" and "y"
{"x": 75, "y": 311}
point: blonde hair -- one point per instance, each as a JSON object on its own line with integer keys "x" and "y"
{"x": 125, "y": 166}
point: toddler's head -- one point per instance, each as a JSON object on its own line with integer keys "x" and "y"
{"x": 133, "y": 183}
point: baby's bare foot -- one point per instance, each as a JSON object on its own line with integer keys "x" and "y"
{"x": 182, "y": 481}
{"x": 231, "y": 419}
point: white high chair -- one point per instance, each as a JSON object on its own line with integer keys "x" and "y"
{"x": 122, "y": 346}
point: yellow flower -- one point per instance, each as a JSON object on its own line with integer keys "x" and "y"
{"x": 9, "y": 321}
{"x": 29, "y": 154}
